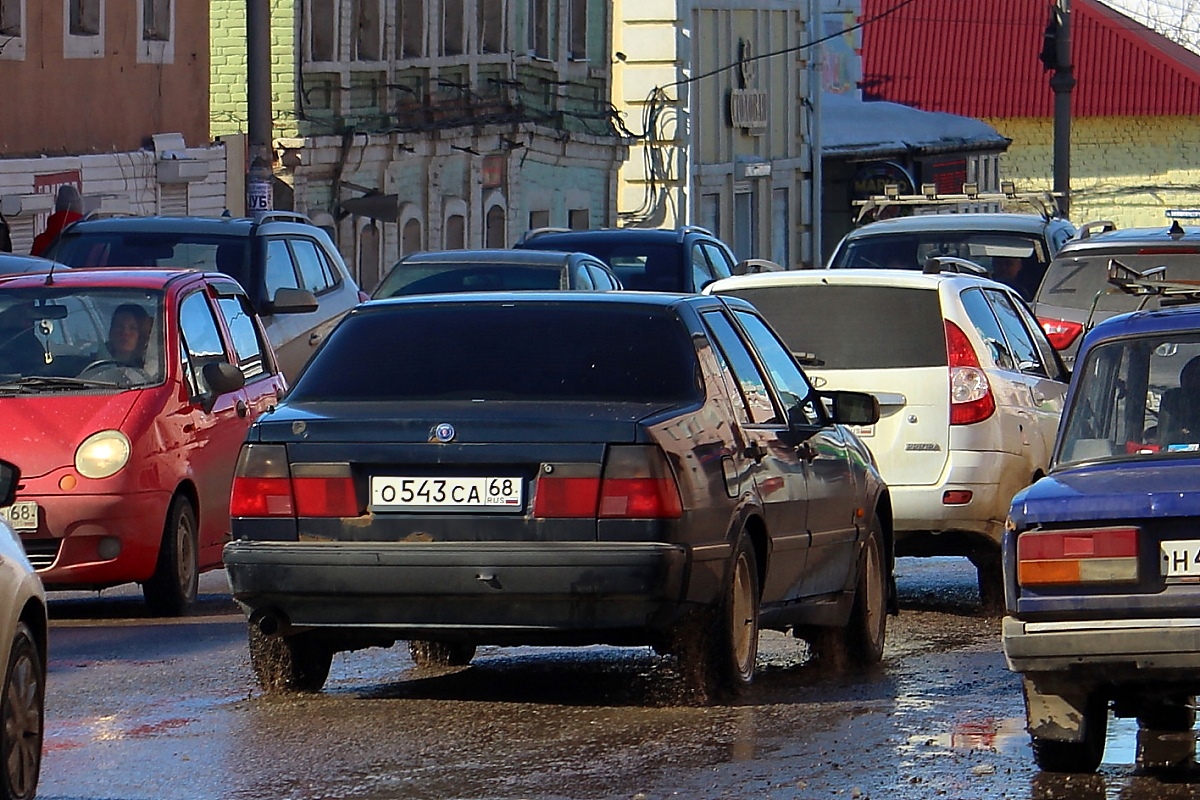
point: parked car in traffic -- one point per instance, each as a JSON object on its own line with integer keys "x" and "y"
{"x": 23, "y": 635}
{"x": 1012, "y": 247}
{"x": 663, "y": 475}
{"x": 124, "y": 399}
{"x": 495, "y": 270}
{"x": 1076, "y": 294}
{"x": 269, "y": 253}
{"x": 970, "y": 392}
{"x": 1102, "y": 556}
{"x": 685, "y": 259}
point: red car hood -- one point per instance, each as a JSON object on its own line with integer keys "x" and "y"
{"x": 40, "y": 434}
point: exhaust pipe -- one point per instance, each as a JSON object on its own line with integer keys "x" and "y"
{"x": 269, "y": 622}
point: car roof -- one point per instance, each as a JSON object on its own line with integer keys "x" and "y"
{"x": 238, "y": 226}
{"x": 904, "y": 278}
{"x": 650, "y": 299}
{"x": 663, "y": 235}
{"x": 533, "y": 258}
{"x": 982, "y": 221}
{"x": 136, "y": 278}
{"x": 1133, "y": 237}
{"x": 11, "y": 263}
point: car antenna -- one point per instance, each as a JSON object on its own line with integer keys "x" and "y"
{"x": 50, "y": 274}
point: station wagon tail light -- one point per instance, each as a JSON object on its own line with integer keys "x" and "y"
{"x": 636, "y": 483}
{"x": 1062, "y": 333}
{"x": 971, "y": 398}
{"x": 262, "y": 484}
{"x": 1071, "y": 557}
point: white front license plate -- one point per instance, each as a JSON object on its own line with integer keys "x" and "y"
{"x": 23, "y": 515}
{"x": 1180, "y": 559}
{"x": 446, "y": 494}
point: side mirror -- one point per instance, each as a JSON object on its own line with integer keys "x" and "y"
{"x": 223, "y": 378}
{"x": 9, "y": 476}
{"x": 854, "y": 408}
{"x": 291, "y": 301}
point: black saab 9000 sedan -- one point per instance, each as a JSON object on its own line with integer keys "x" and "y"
{"x": 559, "y": 469}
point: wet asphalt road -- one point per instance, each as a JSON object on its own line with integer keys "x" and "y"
{"x": 168, "y": 709}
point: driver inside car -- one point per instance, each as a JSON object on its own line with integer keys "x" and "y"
{"x": 128, "y": 335}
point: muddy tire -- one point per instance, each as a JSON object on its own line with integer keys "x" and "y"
{"x": 1083, "y": 756}
{"x": 441, "y": 654}
{"x": 23, "y": 709}
{"x": 288, "y": 664}
{"x": 860, "y": 643}
{"x": 717, "y": 648}
{"x": 171, "y": 590}
{"x": 988, "y": 567}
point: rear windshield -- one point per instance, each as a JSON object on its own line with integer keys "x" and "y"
{"x": 427, "y": 278}
{"x": 1076, "y": 281}
{"x": 638, "y": 265}
{"x": 522, "y": 351}
{"x": 167, "y": 249}
{"x": 855, "y": 327}
{"x": 1018, "y": 260}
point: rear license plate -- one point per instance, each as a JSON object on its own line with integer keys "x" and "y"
{"x": 446, "y": 494}
{"x": 23, "y": 515}
{"x": 1180, "y": 559}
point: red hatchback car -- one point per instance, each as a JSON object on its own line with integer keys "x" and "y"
{"x": 124, "y": 398}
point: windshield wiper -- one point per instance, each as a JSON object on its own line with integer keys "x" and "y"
{"x": 31, "y": 383}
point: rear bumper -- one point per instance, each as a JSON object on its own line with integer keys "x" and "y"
{"x": 501, "y": 593}
{"x": 1111, "y": 650}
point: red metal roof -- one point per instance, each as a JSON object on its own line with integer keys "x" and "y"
{"x": 979, "y": 58}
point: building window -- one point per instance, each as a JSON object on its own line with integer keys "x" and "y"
{"x": 84, "y": 16}
{"x": 410, "y": 239}
{"x": 456, "y": 232}
{"x": 494, "y": 228}
{"x": 12, "y": 30}
{"x": 539, "y": 219}
{"x": 579, "y": 219}
{"x": 453, "y": 28}
{"x": 83, "y": 35}
{"x": 410, "y": 26}
{"x": 538, "y": 22}
{"x": 368, "y": 31}
{"x": 492, "y": 16}
{"x": 322, "y": 30}
{"x": 157, "y": 24}
{"x": 579, "y": 30}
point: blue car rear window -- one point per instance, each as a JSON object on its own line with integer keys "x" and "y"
{"x": 505, "y": 351}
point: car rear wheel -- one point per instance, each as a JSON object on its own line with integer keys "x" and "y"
{"x": 991, "y": 580}
{"x": 23, "y": 710}
{"x": 1083, "y": 756}
{"x": 284, "y": 664}
{"x": 717, "y": 648}
{"x": 861, "y": 642}
{"x": 441, "y": 654}
{"x": 172, "y": 588}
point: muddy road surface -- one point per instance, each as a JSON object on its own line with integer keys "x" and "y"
{"x": 153, "y": 709}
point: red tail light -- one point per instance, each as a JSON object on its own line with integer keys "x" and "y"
{"x": 1088, "y": 555}
{"x": 1062, "y": 333}
{"x": 265, "y": 486}
{"x": 637, "y": 484}
{"x": 971, "y": 398}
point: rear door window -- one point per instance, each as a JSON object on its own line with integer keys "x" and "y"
{"x": 855, "y": 327}
{"x": 1024, "y": 351}
{"x": 315, "y": 273}
{"x": 751, "y": 383}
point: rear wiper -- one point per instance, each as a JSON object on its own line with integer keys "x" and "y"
{"x": 808, "y": 359}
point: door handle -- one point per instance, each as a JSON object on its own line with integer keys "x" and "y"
{"x": 242, "y": 410}
{"x": 807, "y": 452}
{"x": 314, "y": 338}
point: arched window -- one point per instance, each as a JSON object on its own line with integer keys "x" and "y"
{"x": 410, "y": 239}
{"x": 456, "y": 232}
{"x": 368, "y": 257}
{"x": 495, "y": 228}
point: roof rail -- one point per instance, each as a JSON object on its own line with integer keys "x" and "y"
{"x": 940, "y": 264}
{"x": 1095, "y": 226}
{"x": 261, "y": 217}
{"x": 534, "y": 232}
{"x": 1045, "y": 203}
{"x": 1151, "y": 283}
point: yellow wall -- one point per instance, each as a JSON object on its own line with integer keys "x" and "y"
{"x": 1126, "y": 169}
{"x": 227, "y": 95}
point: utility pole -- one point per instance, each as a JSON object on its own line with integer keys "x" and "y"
{"x": 1056, "y": 55}
{"x": 260, "y": 155}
